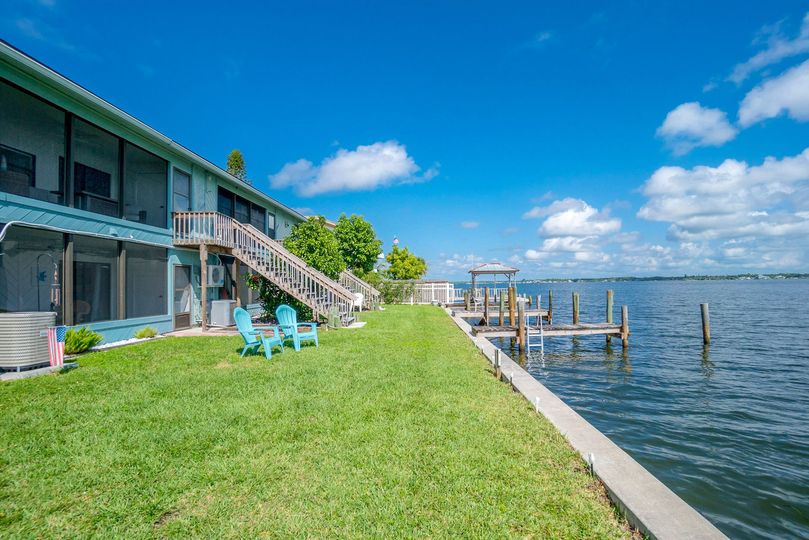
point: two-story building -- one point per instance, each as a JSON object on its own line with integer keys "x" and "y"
{"x": 87, "y": 194}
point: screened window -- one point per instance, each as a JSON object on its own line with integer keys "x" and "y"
{"x": 182, "y": 191}
{"x": 32, "y": 146}
{"x": 145, "y": 186}
{"x": 145, "y": 281}
{"x": 225, "y": 202}
{"x": 271, "y": 225}
{"x": 31, "y": 271}
{"x": 95, "y": 288}
{"x": 258, "y": 217}
{"x": 95, "y": 169}
{"x": 241, "y": 210}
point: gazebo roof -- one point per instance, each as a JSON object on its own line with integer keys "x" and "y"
{"x": 493, "y": 268}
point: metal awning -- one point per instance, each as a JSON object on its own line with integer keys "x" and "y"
{"x": 493, "y": 268}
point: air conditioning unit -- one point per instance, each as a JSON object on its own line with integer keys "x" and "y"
{"x": 21, "y": 345}
{"x": 216, "y": 275}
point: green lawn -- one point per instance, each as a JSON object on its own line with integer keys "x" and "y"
{"x": 394, "y": 430}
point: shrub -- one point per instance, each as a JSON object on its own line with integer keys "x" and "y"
{"x": 145, "y": 333}
{"x": 79, "y": 340}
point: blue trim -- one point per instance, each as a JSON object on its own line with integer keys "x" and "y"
{"x": 120, "y": 330}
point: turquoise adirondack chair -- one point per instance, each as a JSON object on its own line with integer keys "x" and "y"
{"x": 254, "y": 336}
{"x": 288, "y": 321}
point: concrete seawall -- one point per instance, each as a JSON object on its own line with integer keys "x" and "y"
{"x": 645, "y": 501}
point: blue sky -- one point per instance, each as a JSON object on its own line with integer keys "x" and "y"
{"x": 611, "y": 138}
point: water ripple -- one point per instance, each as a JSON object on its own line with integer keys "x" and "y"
{"x": 725, "y": 427}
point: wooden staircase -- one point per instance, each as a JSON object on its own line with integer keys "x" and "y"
{"x": 266, "y": 256}
{"x": 370, "y": 296}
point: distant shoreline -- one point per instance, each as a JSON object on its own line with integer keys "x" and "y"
{"x": 733, "y": 277}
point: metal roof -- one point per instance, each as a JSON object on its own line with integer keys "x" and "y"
{"x": 493, "y": 268}
{"x": 14, "y": 54}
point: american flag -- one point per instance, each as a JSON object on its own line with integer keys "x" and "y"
{"x": 56, "y": 345}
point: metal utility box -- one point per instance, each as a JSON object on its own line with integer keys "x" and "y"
{"x": 222, "y": 312}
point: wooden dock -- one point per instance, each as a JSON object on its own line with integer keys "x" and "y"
{"x": 493, "y": 314}
{"x": 553, "y": 330}
{"x": 517, "y": 310}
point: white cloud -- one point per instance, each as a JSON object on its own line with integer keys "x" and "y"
{"x": 574, "y": 218}
{"x": 733, "y": 200}
{"x": 540, "y": 38}
{"x": 691, "y": 125}
{"x": 365, "y": 168}
{"x": 778, "y": 48}
{"x": 470, "y": 224}
{"x": 789, "y": 92}
{"x": 574, "y": 235}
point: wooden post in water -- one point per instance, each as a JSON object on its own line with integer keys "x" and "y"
{"x": 706, "y": 324}
{"x": 466, "y": 299}
{"x": 550, "y": 306}
{"x": 502, "y": 312}
{"x": 625, "y": 326}
{"x": 609, "y": 311}
{"x": 575, "y": 308}
{"x": 486, "y": 306}
{"x": 512, "y": 297}
{"x": 521, "y": 324}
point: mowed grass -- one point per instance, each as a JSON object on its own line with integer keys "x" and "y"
{"x": 394, "y": 430}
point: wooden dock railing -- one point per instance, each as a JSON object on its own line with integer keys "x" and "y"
{"x": 266, "y": 256}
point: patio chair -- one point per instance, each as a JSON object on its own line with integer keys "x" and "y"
{"x": 254, "y": 336}
{"x": 288, "y": 321}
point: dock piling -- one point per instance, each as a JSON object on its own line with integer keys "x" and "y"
{"x": 625, "y": 326}
{"x": 550, "y": 306}
{"x": 706, "y": 324}
{"x": 512, "y": 297}
{"x": 486, "y": 306}
{"x": 466, "y": 299}
{"x": 502, "y": 312}
{"x": 575, "y": 308}
{"x": 609, "y": 311}
{"x": 521, "y": 324}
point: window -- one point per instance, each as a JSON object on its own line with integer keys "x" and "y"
{"x": 145, "y": 281}
{"x": 31, "y": 271}
{"x": 225, "y": 202}
{"x": 246, "y": 212}
{"x": 145, "y": 186}
{"x": 271, "y": 225}
{"x": 182, "y": 191}
{"x": 95, "y": 288}
{"x": 241, "y": 210}
{"x": 258, "y": 218}
{"x": 95, "y": 169}
{"x": 32, "y": 146}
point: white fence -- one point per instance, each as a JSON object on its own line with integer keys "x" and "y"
{"x": 431, "y": 292}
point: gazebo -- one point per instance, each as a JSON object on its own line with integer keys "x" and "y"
{"x": 492, "y": 269}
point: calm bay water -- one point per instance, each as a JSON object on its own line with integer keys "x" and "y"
{"x": 726, "y": 428}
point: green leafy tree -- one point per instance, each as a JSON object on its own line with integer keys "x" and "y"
{"x": 316, "y": 244}
{"x": 357, "y": 242}
{"x": 236, "y": 165}
{"x": 405, "y": 265}
{"x": 313, "y": 242}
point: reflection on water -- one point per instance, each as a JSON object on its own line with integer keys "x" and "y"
{"x": 725, "y": 426}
